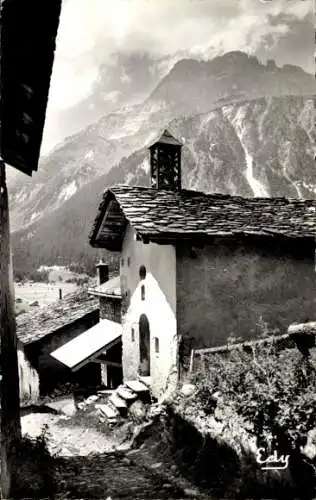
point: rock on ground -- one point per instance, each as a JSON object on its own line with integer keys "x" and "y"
{"x": 137, "y": 411}
{"x": 188, "y": 389}
{"x": 64, "y": 405}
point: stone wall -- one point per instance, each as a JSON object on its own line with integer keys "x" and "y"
{"x": 237, "y": 288}
{"x": 110, "y": 309}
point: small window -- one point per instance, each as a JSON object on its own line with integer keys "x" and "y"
{"x": 142, "y": 272}
{"x": 133, "y": 335}
{"x": 142, "y": 291}
{"x": 156, "y": 345}
{"x": 128, "y": 261}
{"x": 122, "y": 261}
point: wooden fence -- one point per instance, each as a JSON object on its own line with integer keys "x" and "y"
{"x": 303, "y": 334}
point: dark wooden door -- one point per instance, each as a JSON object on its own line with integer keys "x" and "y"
{"x": 144, "y": 346}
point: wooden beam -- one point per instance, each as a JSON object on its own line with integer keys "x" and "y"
{"x": 303, "y": 329}
{"x": 304, "y": 336}
{"x": 191, "y": 361}
{"x": 117, "y": 298}
{"x": 241, "y": 345}
{"x": 88, "y": 359}
{"x": 308, "y": 328}
{"x": 107, "y": 363}
{"x": 10, "y": 394}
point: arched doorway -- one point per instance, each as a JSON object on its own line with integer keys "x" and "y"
{"x": 144, "y": 346}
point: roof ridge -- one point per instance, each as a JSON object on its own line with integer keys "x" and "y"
{"x": 215, "y": 194}
{"x": 170, "y": 215}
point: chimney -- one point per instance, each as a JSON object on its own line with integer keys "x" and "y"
{"x": 165, "y": 163}
{"x": 102, "y": 272}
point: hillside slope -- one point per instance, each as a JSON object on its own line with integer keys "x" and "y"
{"x": 262, "y": 147}
{"x": 191, "y": 87}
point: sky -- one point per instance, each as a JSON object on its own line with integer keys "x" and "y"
{"x": 90, "y": 32}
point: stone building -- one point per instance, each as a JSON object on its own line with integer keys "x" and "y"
{"x": 100, "y": 345}
{"x": 42, "y": 331}
{"x": 197, "y": 269}
{"x": 108, "y": 292}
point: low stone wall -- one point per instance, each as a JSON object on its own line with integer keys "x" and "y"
{"x": 219, "y": 454}
{"x": 216, "y": 450}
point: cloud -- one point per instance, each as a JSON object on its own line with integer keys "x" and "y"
{"x": 112, "y": 96}
{"x": 91, "y": 31}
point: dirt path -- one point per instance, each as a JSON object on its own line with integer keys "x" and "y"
{"x": 87, "y": 465}
{"x": 110, "y": 475}
{"x": 67, "y": 440}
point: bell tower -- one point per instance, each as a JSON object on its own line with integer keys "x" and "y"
{"x": 165, "y": 163}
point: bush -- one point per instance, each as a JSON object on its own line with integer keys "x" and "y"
{"x": 273, "y": 389}
{"x": 274, "y": 393}
{"x": 34, "y": 469}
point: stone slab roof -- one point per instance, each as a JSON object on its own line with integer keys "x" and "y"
{"x": 111, "y": 288}
{"x": 35, "y": 325}
{"x": 160, "y": 214}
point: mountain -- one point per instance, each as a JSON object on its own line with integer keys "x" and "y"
{"x": 190, "y": 87}
{"x": 82, "y": 158}
{"x": 257, "y": 146}
{"x": 196, "y": 85}
{"x": 123, "y": 80}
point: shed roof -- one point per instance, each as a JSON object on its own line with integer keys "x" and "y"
{"x": 82, "y": 349}
{"x": 111, "y": 288}
{"x": 35, "y": 325}
{"x": 160, "y": 215}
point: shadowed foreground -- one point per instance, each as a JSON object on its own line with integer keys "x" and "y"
{"x": 100, "y": 476}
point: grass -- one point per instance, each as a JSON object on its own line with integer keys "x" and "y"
{"x": 44, "y": 293}
{"x": 59, "y": 277}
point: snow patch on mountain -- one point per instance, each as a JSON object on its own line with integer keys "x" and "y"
{"x": 67, "y": 191}
{"x": 34, "y": 216}
{"x": 310, "y": 187}
{"x": 241, "y": 127}
{"x": 258, "y": 189}
{"x": 23, "y": 196}
{"x": 286, "y": 149}
{"x": 262, "y": 118}
{"x": 145, "y": 166}
{"x": 136, "y": 117}
{"x": 89, "y": 155}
